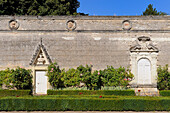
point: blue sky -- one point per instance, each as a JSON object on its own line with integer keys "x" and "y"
{"x": 121, "y": 7}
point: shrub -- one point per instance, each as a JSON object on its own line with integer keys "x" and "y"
{"x": 54, "y": 76}
{"x": 90, "y": 92}
{"x": 15, "y": 92}
{"x": 71, "y": 77}
{"x": 84, "y": 104}
{"x": 164, "y": 93}
{"x": 163, "y": 80}
{"x": 22, "y": 78}
{"x": 93, "y": 81}
{"x": 19, "y": 78}
{"x": 85, "y": 74}
{"x": 96, "y": 80}
{"x": 116, "y": 77}
{"x": 6, "y": 77}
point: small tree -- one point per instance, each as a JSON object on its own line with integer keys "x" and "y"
{"x": 163, "y": 80}
{"x": 96, "y": 80}
{"x": 71, "y": 77}
{"x": 152, "y": 11}
{"x": 54, "y": 76}
{"x": 22, "y": 78}
{"x": 6, "y": 78}
{"x": 19, "y": 78}
{"x": 117, "y": 77}
{"x": 85, "y": 74}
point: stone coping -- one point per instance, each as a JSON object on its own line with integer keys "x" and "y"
{"x": 84, "y": 31}
{"x": 165, "y": 17}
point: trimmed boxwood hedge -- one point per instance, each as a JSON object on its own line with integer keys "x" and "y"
{"x": 164, "y": 93}
{"x": 15, "y": 92}
{"x": 92, "y": 92}
{"x": 86, "y": 104}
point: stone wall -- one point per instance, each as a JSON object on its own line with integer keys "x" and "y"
{"x": 99, "y": 41}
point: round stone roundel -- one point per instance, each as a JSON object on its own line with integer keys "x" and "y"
{"x": 13, "y": 24}
{"x": 71, "y": 25}
{"x": 126, "y": 25}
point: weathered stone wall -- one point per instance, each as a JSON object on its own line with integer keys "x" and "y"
{"x": 99, "y": 41}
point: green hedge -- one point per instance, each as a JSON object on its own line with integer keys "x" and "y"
{"x": 92, "y": 92}
{"x": 164, "y": 93}
{"x": 14, "y": 92}
{"x": 98, "y": 104}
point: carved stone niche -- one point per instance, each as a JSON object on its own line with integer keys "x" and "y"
{"x": 143, "y": 63}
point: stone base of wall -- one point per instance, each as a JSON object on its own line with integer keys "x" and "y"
{"x": 147, "y": 91}
{"x": 143, "y": 85}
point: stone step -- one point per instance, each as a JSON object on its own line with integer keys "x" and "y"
{"x": 40, "y": 94}
{"x": 147, "y": 92}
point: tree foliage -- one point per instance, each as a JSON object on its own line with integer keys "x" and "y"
{"x": 22, "y": 78}
{"x": 6, "y": 78}
{"x": 18, "y": 78}
{"x": 71, "y": 77}
{"x": 39, "y": 7}
{"x": 152, "y": 11}
{"x": 85, "y": 73}
{"x": 163, "y": 80}
{"x": 54, "y": 76}
{"x": 117, "y": 77}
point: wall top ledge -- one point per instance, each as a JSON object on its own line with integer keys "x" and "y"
{"x": 165, "y": 17}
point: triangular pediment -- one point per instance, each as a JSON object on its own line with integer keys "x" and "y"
{"x": 41, "y": 56}
{"x": 143, "y": 44}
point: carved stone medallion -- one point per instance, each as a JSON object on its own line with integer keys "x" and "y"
{"x": 126, "y": 25}
{"x": 13, "y": 24}
{"x": 71, "y": 25}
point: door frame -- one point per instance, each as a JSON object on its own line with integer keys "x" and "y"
{"x": 152, "y": 57}
{"x": 38, "y": 68}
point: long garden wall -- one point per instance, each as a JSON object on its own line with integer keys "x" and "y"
{"x": 73, "y": 41}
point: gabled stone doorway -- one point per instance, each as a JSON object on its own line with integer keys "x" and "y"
{"x": 39, "y": 63}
